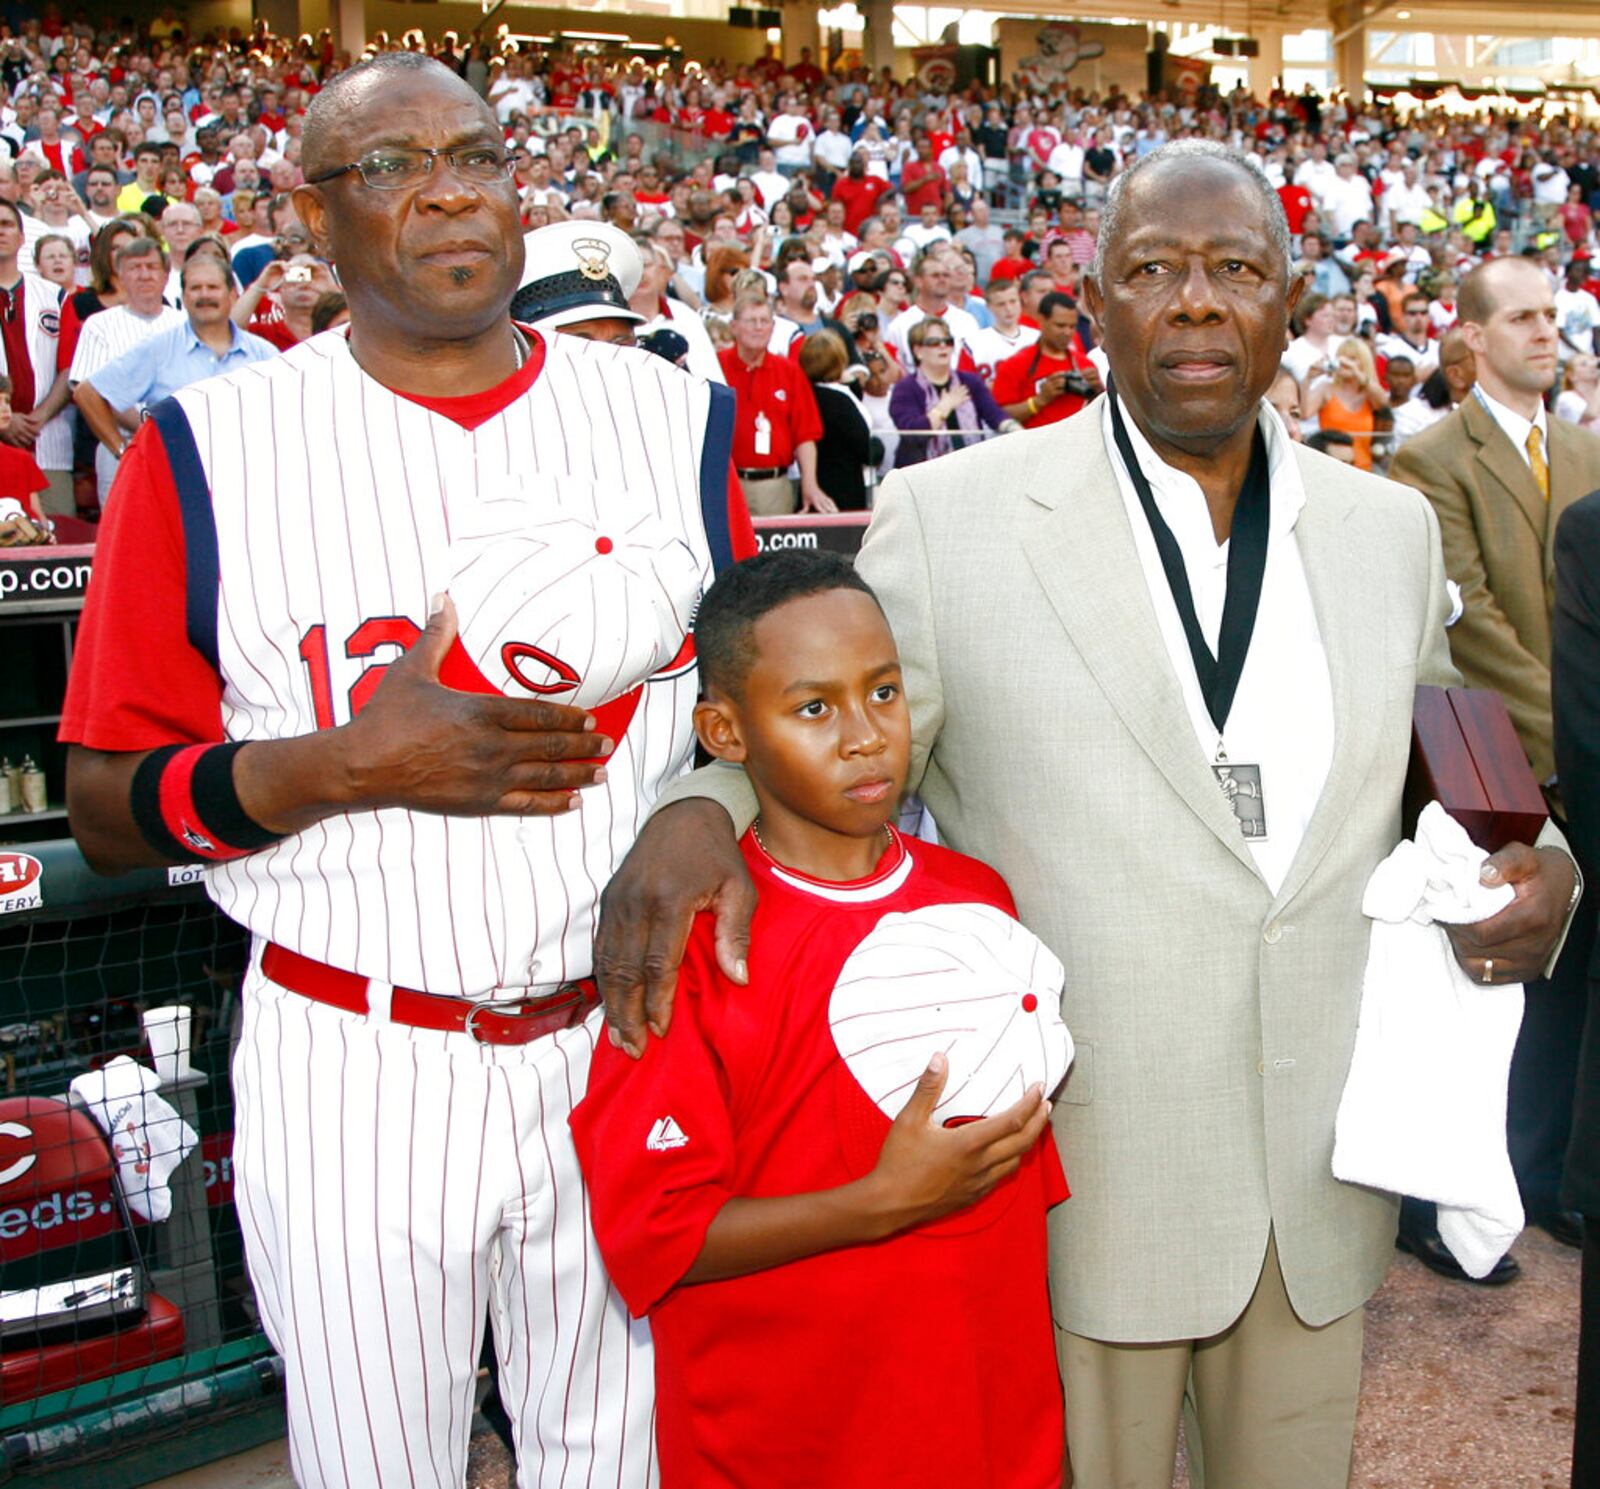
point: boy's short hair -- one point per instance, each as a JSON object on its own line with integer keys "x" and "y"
{"x": 1323, "y": 440}
{"x": 723, "y": 627}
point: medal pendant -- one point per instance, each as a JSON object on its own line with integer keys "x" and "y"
{"x": 1241, "y": 785}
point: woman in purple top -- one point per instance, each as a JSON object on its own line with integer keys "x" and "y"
{"x": 956, "y": 406}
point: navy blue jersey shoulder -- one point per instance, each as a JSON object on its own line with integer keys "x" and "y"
{"x": 716, "y": 457}
{"x": 202, "y": 565}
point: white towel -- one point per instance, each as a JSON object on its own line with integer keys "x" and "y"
{"x": 148, "y": 1139}
{"x": 1424, "y": 1108}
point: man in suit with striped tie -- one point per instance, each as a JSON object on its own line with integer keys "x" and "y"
{"x": 1500, "y": 472}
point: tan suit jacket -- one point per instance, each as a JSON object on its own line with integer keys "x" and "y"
{"x": 1499, "y": 546}
{"x": 1214, "y": 1020}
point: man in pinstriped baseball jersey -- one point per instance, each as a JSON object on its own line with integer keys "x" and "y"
{"x": 391, "y": 632}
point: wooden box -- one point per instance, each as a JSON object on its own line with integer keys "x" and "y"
{"x": 1465, "y": 755}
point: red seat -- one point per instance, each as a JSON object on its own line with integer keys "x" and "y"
{"x": 59, "y": 1207}
{"x": 39, "y": 1369}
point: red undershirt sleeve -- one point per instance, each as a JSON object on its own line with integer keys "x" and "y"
{"x": 137, "y": 682}
{"x": 67, "y": 341}
{"x": 741, "y": 531}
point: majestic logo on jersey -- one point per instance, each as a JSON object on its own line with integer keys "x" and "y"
{"x": 665, "y": 1135}
{"x": 594, "y": 257}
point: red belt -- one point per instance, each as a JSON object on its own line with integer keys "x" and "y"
{"x": 512, "y": 1021}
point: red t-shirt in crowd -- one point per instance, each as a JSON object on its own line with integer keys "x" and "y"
{"x": 137, "y": 682}
{"x": 927, "y": 1358}
{"x": 778, "y": 389}
{"x": 921, "y": 183}
{"x": 21, "y": 479}
{"x": 273, "y": 328}
{"x": 1011, "y": 268}
{"x": 1296, "y": 203}
{"x": 860, "y": 198}
{"x": 1017, "y": 379}
{"x": 63, "y": 156}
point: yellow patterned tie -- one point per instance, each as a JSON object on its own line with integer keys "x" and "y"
{"x": 1536, "y": 460}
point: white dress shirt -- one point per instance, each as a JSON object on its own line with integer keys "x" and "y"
{"x": 1515, "y": 426}
{"x": 1282, "y": 714}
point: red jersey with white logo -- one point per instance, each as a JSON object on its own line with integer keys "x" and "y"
{"x": 924, "y": 1359}
{"x": 336, "y": 509}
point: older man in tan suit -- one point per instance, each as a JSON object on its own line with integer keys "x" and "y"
{"x": 1103, "y": 626}
{"x": 1499, "y": 473}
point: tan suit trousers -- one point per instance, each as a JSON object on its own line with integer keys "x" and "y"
{"x": 1267, "y": 1404}
{"x": 773, "y": 497}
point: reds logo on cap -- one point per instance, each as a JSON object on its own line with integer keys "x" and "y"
{"x": 554, "y": 604}
{"x": 965, "y": 979}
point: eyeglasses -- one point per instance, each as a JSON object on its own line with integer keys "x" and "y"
{"x": 396, "y": 167}
{"x": 937, "y": 341}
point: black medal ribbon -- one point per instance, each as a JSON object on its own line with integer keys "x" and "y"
{"x": 1247, "y": 565}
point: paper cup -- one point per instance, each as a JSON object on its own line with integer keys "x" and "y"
{"x": 166, "y": 1030}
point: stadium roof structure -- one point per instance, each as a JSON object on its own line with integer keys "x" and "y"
{"x": 1480, "y": 17}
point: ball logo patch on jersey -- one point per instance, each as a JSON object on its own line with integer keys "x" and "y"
{"x": 554, "y": 605}
{"x": 964, "y": 979}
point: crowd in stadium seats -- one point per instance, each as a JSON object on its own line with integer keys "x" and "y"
{"x": 858, "y": 205}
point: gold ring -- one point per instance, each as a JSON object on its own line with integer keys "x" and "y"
{"x": 1488, "y": 969}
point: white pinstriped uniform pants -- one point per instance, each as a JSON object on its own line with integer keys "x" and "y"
{"x": 395, "y": 1184}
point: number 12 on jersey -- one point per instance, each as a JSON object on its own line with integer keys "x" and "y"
{"x": 367, "y": 639}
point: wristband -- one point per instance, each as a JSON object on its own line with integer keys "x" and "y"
{"x": 1033, "y": 404}
{"x": 185, "y": 806}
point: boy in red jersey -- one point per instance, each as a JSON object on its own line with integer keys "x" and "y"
{"x": 839, "y": 1241}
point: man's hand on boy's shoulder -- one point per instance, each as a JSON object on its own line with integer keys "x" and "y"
{"x": 686, "y": 859}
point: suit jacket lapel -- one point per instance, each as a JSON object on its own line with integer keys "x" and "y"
{"x": 1505, "y": 464}
{"x": 1085, "y": 559}
{"x": 1351, "y": 618}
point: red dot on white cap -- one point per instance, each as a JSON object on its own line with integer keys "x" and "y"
{"x": 1029, "y": 1002}
{"x": 603, "y": 545}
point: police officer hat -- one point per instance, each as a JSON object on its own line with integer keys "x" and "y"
{"x": 577, "y": 271}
